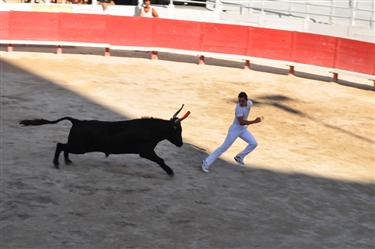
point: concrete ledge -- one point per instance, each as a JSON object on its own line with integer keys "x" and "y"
{"x": 293, "y": 66}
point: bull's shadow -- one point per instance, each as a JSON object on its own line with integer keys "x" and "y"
{"x": 99, "y": 203}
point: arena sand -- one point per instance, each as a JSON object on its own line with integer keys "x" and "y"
{"x": 309, "y": 184}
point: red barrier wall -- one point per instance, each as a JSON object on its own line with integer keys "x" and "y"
{"x": 224, "y": 38}
{"x": 130, "y": 31}
{"x": 326, "y": 51}
{"x": 180, "y": 35}
{"x": 83, "y": 28}
{"x": 355, "y": 56}
{"x": 34, "y": 26}
{"x": 4, "y": 27}
{"x": 318, "y": 50}
{"x": 270, "y": 43}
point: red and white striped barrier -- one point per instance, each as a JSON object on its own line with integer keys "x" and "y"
{"x": 195, "y": 38}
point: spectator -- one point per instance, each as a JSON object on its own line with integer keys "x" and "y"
{"x": 147, "y": 10}
{"x": 105, "y": 3}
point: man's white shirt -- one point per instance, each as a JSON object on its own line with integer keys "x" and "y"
{"x": 242, "y": 111}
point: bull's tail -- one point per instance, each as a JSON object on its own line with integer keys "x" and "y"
{"x": 28, "y": 122}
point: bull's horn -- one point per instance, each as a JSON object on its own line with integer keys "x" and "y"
{"x": 185, "y": 116}
{"x": 175, "y": 115}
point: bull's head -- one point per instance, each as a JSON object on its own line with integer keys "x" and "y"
{"x": 176, "y": 137}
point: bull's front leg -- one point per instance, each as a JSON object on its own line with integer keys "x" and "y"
{"x": 151, "y": 155}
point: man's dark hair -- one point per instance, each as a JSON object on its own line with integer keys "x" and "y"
{"x": 242, "y": 95}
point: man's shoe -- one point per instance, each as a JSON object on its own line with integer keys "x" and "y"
{"x": 204, "y": 167}
{"x": 239, "y": 161}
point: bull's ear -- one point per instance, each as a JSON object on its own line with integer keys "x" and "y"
{"x": 175, "y": 115}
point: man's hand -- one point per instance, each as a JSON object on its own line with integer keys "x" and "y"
{"x": 258, "y": 120}
{"x": 249, "y": 122}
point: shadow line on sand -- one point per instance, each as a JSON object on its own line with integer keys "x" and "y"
{"x": 99, "y": 203}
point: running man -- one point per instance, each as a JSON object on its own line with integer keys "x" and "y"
{"x": 237, "y": 129}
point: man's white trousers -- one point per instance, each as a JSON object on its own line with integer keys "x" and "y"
{"x": 233, "y": 133}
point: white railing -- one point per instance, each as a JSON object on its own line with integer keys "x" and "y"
{"x": 354, "y": 19}
{"x": 201, "y": 3}
{"x": 315, "y": 11}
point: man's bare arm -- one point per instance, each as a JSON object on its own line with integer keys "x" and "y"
{"x": 154, "y": 13}
{"x": 243, "y": 121}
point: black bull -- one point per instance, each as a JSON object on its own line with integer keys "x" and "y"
{"x": 137, "y": 136}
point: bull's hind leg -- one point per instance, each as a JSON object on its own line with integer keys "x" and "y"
{"x": 151, "y": 155}
{"x": 59, "y": 148}
{"x": 66, "y": 157}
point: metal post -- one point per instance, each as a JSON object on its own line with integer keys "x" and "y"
{"x": 154, "y": 55}
{"x": 331, "y": 12}
{"x": 59, "y": 49}
{"x": 261, "y": 14}
{"x": 170, "y": 4}
{"x": 335, "y": 77}
{"x": 10, "y": 48}
{"x": 107, "y": 52}
{"x": 218, "y": 9}
{"x": 201, "y": 60}
{"x": 249, "y": 9}
{"x": 291, "y": 70}
{"x": 171, "y": 9}
{"x": 247, "y": 64}
{"x": 307, "y": 18}
{"x": 354, "y": 6}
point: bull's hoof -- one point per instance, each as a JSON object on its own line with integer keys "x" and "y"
{"x": 68, "y": 162}
{"x": 56, "y": 163}
{"x": 171, "y": 174}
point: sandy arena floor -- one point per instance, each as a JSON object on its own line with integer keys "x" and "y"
{"x": 309, "y": 184}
